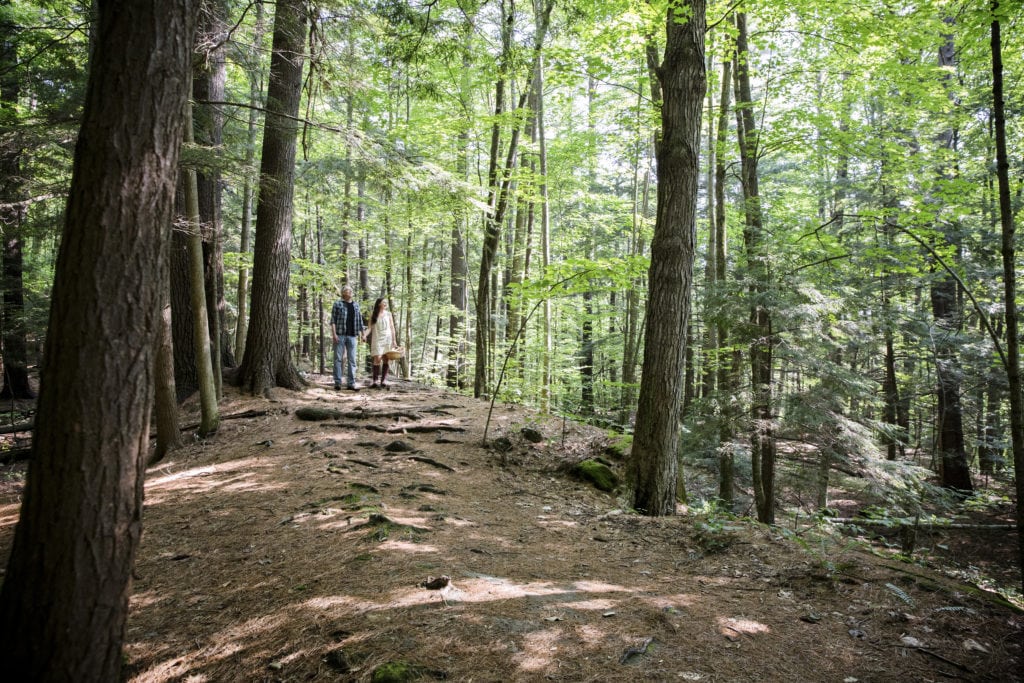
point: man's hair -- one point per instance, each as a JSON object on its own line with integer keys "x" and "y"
{"x": 347, "y": 288}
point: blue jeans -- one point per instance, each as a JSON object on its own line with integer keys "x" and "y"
{"x": 347, "y": 346}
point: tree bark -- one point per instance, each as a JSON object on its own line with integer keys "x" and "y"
{"x": 168, "y": 429}
{"x": 186, "y": 375}
{"x": 267, "y": 362}
{"x": 248, "y": 194}
{"x": 210, "y": 76}
{"x": 545, "y": 211}
{"x": 653, "y": 463}
{"x": 455, "y": 376}
{"x": 762, "y": 438}
{"x": 947, "y": 310}
{"x": 65, "y": 594}
{"x": 1009, "y": 277}
{"x": 12, "y": 213}
{"x": 727, "y": 366}
{"x": 201, "y": 342}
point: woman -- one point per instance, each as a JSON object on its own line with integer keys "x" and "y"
{"x": 382, "y": 340}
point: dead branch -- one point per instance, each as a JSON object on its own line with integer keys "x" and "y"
{"x": 424, "y": 429}
{"x": 431, "y": 461}
{"x": 937, "y": 526}
{"x": 22, "y": 427}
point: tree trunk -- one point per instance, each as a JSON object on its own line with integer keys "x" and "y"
{"x": 762, "y": 446}
{"x": 545, "y": 212}
{"x": 653, "y": 463}
{"x": 1009, "y": 279}
{"x": 65, "y": 593}
{"x": 12, "y": 213}
{"x": 255, "y": 88}
{"x": 321, "y": 341}
{"x": 492, "y": 219}
{"x": 15, "y": 346}
{"x": 186, "y": 374}
{"x": 168, "y": 429}
{"x": 267, "y": 362}
{"x": 947, "y": 311}
{"x": 459, "y": 272}
{"x": 499, "y": 193}
{"x": 201, "y": 342}
{"x": 727, "y": 366}
{"x": 710, "y": 342}
{"x": 210, "y": 77}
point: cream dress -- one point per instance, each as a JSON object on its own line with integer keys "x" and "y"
{"x": 382, "y": 334}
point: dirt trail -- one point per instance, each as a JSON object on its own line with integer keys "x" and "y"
{"x": 291, "y": 550}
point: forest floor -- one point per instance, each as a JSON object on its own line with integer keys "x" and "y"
{"x": 283, "y": 549}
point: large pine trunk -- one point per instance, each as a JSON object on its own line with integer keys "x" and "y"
{"x": 653, "y": 465}
{"x": 65, "y": 593}
{"x": 267, "y": 363}
{"x": 210, "y": 76}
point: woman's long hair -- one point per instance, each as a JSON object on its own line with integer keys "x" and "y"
{"x": 376, "y": 311}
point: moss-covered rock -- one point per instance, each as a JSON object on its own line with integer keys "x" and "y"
{"x": 394, "y": 672}
{"x": 597, "y": 473}
{"x": 532, "y": 435}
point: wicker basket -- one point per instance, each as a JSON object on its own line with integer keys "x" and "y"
{"x": 395, "y": 353}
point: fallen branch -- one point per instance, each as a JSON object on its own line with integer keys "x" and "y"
{"x": 15, "y": 454}
{"x": 940, "y": 658}
{"x": 22, "y": 427}
{"x": 424, "y": 429}
{"x": 431, "y": 461}
{"x": 364, "y": 463}
{"x": 895, "y": 524}
{"x": 236, "y": 416}
{"x": 634, "y": 651}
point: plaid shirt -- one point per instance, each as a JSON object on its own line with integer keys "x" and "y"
{"x": 339, "y": 317}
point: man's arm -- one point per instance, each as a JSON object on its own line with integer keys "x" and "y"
{"x": 334, "y": 322}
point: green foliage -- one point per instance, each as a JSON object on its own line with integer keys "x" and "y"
{"x": 858, "y": 176}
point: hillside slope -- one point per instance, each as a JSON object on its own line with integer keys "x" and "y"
{"x": 292, "y": 550}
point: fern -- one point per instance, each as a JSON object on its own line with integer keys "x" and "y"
{"x": 900, "y": 593}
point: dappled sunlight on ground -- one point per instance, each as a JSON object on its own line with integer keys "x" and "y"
{"x": 732, "y": 626}
{"x": 405, "y": 547}
{"x": 539, "y": 649}
{"x": 233, "y": 477}
{"x": 288, "y": 550}
{"x": 9, "y": 514}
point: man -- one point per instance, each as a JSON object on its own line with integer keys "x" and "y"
{"x": 346, "y": 329}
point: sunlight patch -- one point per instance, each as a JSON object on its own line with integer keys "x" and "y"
{"x": 406, "y": 547}
{"x": 9, "y": 514}
{"x": 600, "y": 587}
{"x": 731, "y": 627}
{"x": 539, "y": 650}
{"x": 671, "y": 602}
{"x": 344, "y": 601}
{"x": 589, "y": 604}
{"x": 147, "y": 599}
